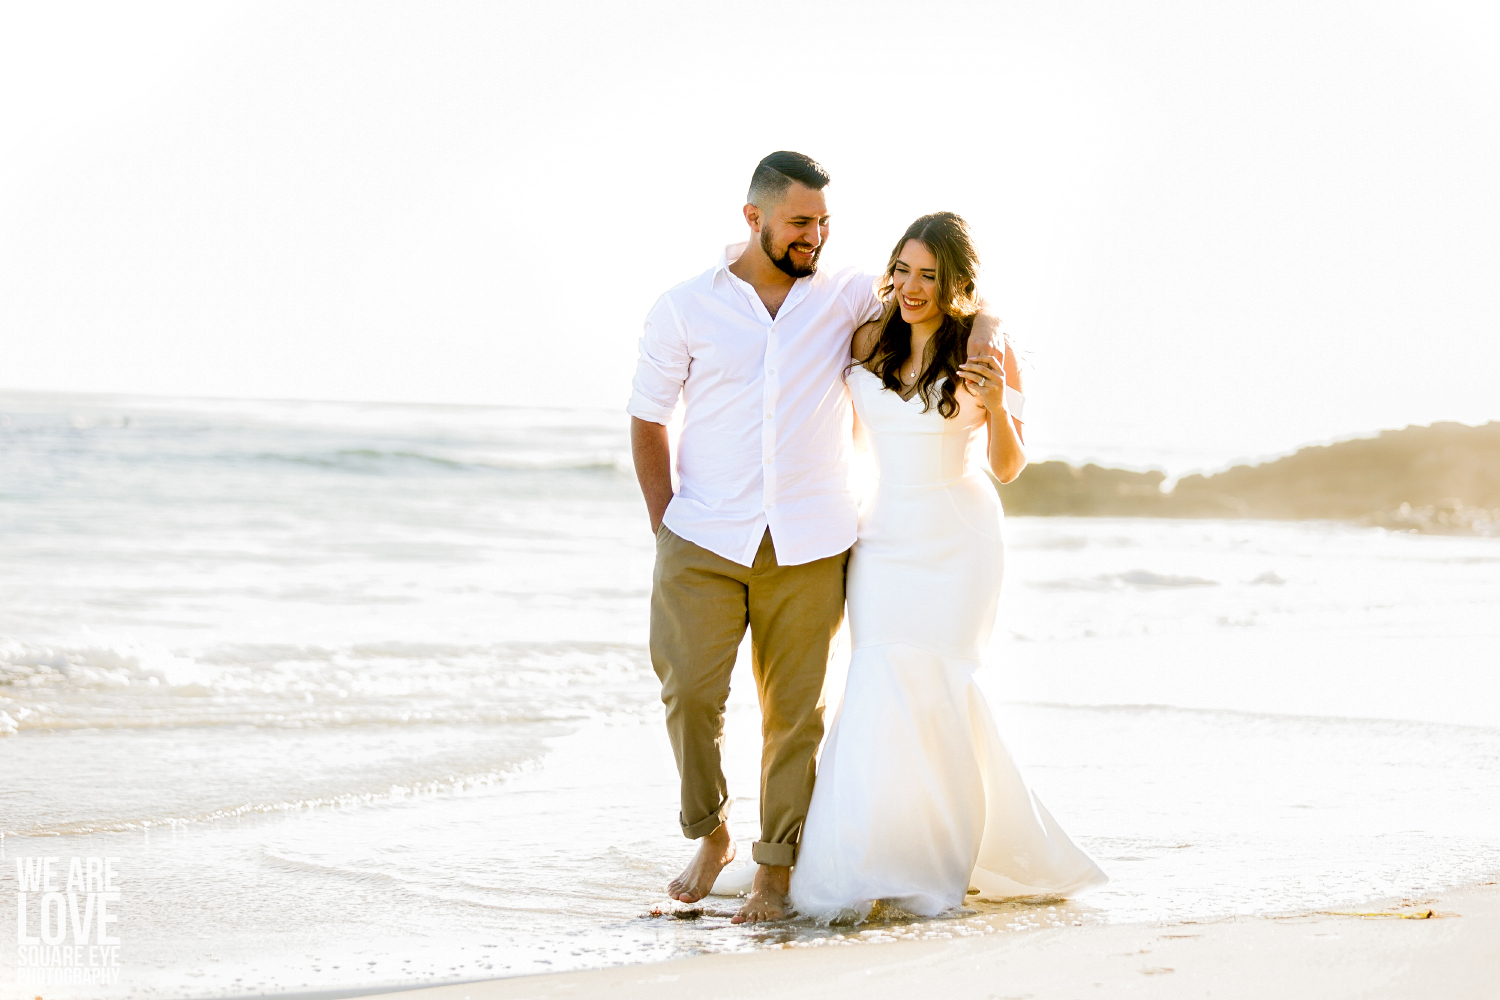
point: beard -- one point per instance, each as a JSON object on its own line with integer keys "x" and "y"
{"x": 784, "y": 262}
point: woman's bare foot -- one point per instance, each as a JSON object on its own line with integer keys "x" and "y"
{"x": 697, "y": 879}
{"x": 768, "y": 896}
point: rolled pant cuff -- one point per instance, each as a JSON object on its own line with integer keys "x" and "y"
{"x": 705, "y": 826}
{"x": 782, "y": 855}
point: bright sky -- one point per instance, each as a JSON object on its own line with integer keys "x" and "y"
{"x": 1224, "y": 229}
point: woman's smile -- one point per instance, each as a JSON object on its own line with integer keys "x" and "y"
{"x": 914, "y": 280}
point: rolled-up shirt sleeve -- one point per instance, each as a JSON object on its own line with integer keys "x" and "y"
{"x": 863, "y": 302}
{"x": 662, "y": 367}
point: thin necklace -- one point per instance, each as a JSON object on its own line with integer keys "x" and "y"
{"x": 915, "y": 366}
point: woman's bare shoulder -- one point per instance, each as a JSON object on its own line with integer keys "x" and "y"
{"x": 865, "y": 339}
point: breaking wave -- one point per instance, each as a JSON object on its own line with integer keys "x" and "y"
{"x": 285, "y": 686}
{"x": 1140, "y": 579}
{"x": 371, "y": 461}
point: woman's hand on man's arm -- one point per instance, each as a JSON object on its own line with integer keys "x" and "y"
{"x": 985, "y": 338}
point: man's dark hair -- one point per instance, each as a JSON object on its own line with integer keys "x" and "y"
{"x": 775, "y": 174}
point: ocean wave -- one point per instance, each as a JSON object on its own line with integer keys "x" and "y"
{"x": 1140, "y": 579}
{"x": 448, "y": 887}
{"x": 372, "y": 461}
{"x": 1075, "y": 543}
{"x": 291, "y": 686}
{"x": 450, "y": 784}
{"x": 1451, "y": 734}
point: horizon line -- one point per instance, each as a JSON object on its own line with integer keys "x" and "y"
{"x": 1079, "y": 461}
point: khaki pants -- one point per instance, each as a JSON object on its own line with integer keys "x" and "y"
{"x": 700, "y": 606}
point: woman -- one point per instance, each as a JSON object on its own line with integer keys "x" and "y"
{"x": 917, "y": 798}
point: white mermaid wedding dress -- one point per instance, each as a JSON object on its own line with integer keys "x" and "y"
{"x": 917, "y": 798}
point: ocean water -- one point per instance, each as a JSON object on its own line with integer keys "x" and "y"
{"x": 359, "y": 696}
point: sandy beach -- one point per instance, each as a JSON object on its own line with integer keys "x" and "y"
{"x": 1385, "y": 949}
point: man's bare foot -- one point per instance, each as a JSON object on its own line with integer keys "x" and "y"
{"x": 697, "y": 879}
{"x": 768, "y": 896}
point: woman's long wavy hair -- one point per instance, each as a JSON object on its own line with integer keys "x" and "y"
{"x": 946, "y": 235}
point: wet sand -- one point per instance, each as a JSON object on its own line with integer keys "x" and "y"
{"x": 1390, "y": 951}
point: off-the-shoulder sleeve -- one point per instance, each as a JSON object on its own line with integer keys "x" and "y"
{"x": 1015, "y": 403}
{"x": 662, "y": 367}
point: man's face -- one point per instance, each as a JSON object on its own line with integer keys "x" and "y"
{"x": 793, "y": 232}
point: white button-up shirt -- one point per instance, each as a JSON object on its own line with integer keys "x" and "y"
{"x": 767, "y": 430}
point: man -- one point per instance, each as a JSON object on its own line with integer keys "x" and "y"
{"x": 760, "y": 531}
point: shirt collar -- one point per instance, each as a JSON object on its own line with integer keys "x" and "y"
{"x": 731, "y": 254}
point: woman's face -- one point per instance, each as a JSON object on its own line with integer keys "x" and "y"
{"x": 915, "y": 283}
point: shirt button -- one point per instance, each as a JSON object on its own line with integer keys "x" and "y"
{"x": 769, "y": 414}
{"x": 770, "y": 371}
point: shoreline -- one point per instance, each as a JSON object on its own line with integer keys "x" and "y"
{"x": 1383, "y": 948}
